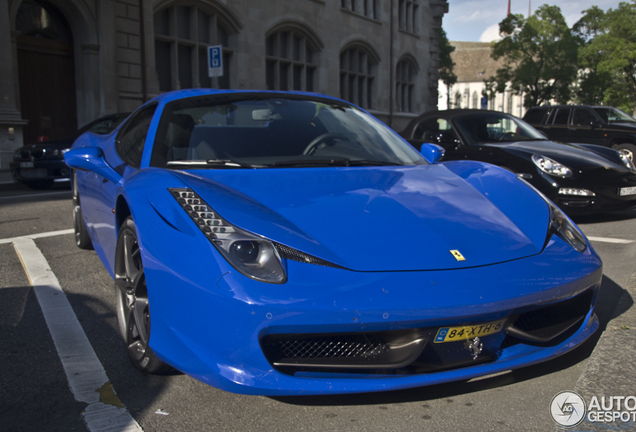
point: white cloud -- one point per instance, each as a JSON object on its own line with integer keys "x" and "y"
{"x": 490, "y": 34}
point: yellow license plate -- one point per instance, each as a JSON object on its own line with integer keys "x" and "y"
{"x": 453, "y": 334}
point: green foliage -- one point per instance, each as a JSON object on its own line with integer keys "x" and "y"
{"x": 608, "y": 56}
{"x": 446, "y": 63}
{"x": 540, "y": 56}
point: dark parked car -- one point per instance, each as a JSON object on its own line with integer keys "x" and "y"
{"x": 601, "y": 125}
{"x": 39, "y": 165}
{"x": 580, "y": 178}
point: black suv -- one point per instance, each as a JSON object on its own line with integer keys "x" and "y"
{"x": 602, "y": 125}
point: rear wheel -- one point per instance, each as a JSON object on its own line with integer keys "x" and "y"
{"x": 627, "y": 149}
{"x": 82, "y": 239}
{"x": 133, "y": 310}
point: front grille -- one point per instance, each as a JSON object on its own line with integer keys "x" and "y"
{"x": 413, "y": 351}
{"x": 27, "y": 154}
{"x": 552, "y": 323}
{"x": 392, "y": 349}
{"x": 577, "y": 306}
{"x": 330, "y": 347}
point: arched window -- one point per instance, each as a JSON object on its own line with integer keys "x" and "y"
{"x": 406, "y": 72}
{"x": 182, "y": 35}
{"x": 357, "y": 76}
{"x": 408, "y": 15}
{"x": 41, "y": 20}
{"x": 291, "y": 61}
{"x": 46, "y": 71}
{"x": 458, "y": 100}
{"x": 368, "y": 8}
{"x": 475, "y": 100}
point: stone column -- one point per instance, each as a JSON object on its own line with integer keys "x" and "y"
{"x": 11, "y": 122}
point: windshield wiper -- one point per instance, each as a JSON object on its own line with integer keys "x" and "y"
{"x": 312, "y": 162}
{"x": 365, "y": 162}
{"x": 334, "y": 162}
{"x": 213, "y": 162}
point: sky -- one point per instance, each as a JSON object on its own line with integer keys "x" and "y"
{"x": 478, "y": 20}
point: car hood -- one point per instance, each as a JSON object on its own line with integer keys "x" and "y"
{"x": 61, "y": 144}
{"x": 574, "y": 156}
{"x": 630, "y": 126}
{"x": 384, "y": 218}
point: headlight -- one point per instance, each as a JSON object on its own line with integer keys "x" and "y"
{"x": 253, "y": 256}
{"x": 55, "y": 153}
{"x": 551, "y": 167}
{"x": 561, "y": 225}
{"x": 626, "y": 161}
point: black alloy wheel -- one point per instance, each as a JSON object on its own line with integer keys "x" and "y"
{"x": 82, "y": 239}
{"x": 133, "y": 311}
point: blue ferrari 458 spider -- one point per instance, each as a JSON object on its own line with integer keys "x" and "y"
{"x": 280, "y": 243}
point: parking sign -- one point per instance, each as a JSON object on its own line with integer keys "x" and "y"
{"x": 215, "y": 61}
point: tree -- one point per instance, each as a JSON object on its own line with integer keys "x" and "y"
{"x": 592, "y": 85}
{"x": 446, "y": 63}
{"x": 494, "y": 85}
{"x": 609, "y": 55}
{"x": 539, "y": 54}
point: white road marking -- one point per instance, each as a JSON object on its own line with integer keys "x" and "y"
{"x": 85, "y": 374}
{"x": 610, "y": 240}
{"x": 36, "y": 236}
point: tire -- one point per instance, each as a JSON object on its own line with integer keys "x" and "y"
{"x": 82, "y": 239}
{"x": 628, "y": 150}
{"x": 133, "y": 311}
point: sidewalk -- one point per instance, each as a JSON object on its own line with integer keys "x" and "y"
{"x": 611, "y": 369}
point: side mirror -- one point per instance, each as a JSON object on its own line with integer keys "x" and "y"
{"x": 91, "y": 159}
{"x": 432, "y": 152}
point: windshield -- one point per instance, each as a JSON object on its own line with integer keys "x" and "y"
{"x": 614, "y": 115}
{"x": 273, "y": 130}
{"x": 487, "y": 127}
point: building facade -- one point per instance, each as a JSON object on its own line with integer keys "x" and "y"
{"x": 64, "y": 63}
{"x": 473, "y": 64}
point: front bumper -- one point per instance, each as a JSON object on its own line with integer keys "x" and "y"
{"x": 605, "y": 185}
{"x": 215, "y": 324}
{"x": 44, "y": 169}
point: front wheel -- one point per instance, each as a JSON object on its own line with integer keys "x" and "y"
{"x": 628, "y": 150}
{"x": 133, "y": 311}
{"x": 82, "y": 239}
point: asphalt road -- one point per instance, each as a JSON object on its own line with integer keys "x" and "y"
{"x": 35, "y": 393}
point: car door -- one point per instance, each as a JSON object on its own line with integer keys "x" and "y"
{"x": 556, "y": 127}
{"x": 436, "y": 130}
{"x": 129, "y": 144}
{"x": 585, "y": 127}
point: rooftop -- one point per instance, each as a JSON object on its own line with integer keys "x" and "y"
{"x": 473, "y": 61}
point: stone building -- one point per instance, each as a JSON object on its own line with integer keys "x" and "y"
{"x": 473, "y": 65}
{"x": 64, "y": 63}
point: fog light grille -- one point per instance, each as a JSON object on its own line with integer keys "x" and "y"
{"x": 331, "y": 347}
